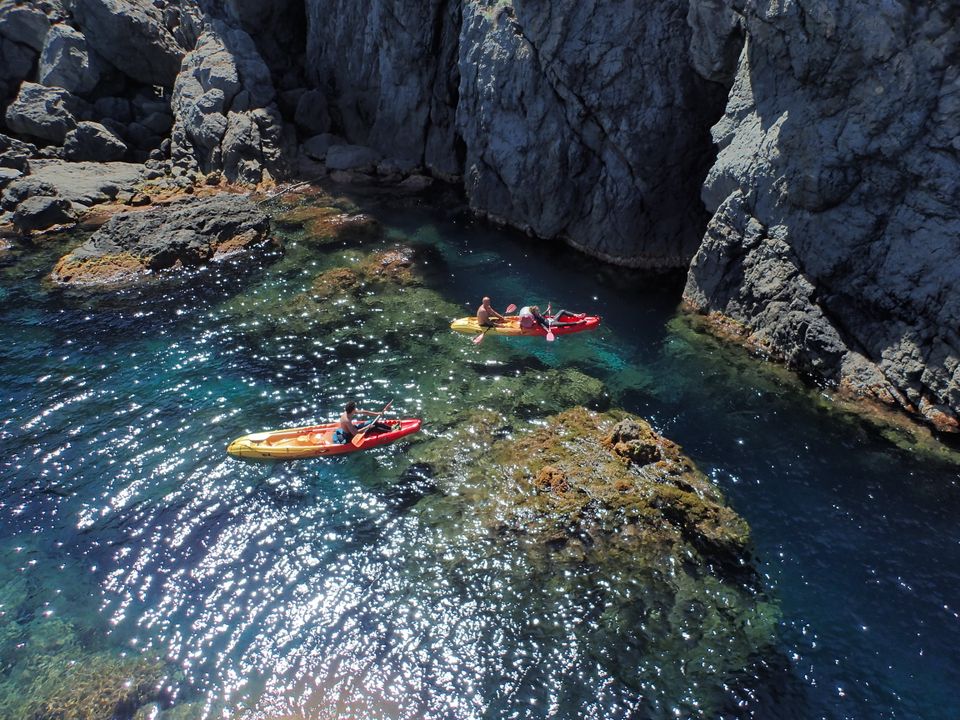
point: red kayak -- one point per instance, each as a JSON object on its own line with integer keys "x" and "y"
{"x": 511, "y": 326}
{"x": 314, "y": 441}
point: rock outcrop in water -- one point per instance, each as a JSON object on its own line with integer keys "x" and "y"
{"x": 187, "y": 233}
{"x": 832, "y": 242}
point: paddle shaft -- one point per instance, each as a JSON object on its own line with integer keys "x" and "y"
{"x": 358, "y": 438}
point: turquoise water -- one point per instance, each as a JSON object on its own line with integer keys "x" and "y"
{"x": 349, "y": 587}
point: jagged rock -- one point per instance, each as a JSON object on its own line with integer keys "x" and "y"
{"x": 184, "y": 234}
{"x": 24, "y": 24}
{"x": 835, "y": 234}
{"x": 352, "y": 157}
{"x": 43, "y": 112}
{"x": 15, "y": 153}
{"x": 225, "y": 115}
{"x": 41, "y": 212}
{"x": 132, "y": 36}
{"x": 311, "y": 114}
{"x": 66, "y": 62}
{"x": 22, "y": 188}
{"x": 92, "y": 141}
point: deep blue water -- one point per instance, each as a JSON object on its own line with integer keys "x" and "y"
{"x": 310, "y": 590}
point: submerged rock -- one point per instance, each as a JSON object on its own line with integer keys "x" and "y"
{"x": 184, "y": 234}
{"x": 584, "y": 475}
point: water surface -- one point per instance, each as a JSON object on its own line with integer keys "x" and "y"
{"x": 345, "y": 587}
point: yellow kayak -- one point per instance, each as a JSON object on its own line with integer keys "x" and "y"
{"x": 511, "y": 326}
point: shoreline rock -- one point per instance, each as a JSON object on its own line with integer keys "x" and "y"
{"x": 186, "y": 233}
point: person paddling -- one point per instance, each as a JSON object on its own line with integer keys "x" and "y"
{"x": 486, "y": 314}
{"x": 348, "y": 428}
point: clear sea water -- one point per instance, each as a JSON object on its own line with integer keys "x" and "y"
{"x": 322, "y": 588}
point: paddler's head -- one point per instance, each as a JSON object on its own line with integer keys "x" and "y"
{"x": 351, "y": 408}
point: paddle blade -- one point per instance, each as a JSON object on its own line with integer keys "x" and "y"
{"x": 510, "y": 308}
{"x": 357, "y": 439}
{"x": 479, "y": 338}
{"x": 550, "y": 336}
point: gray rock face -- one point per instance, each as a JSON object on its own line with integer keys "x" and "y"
{"x": 83, "y": 183}
{"x": 580, "y": 120}
{"x": 92, "y": 141}
{"x": 566, "y": 94}
{"x": 836, "y": 197}
{"x": 225, "y": 115}
{"x": 23, "y": 24}
{"x": 352, "y": 157}
{"x": 311, "y": 115}
{"x": 133, "y": 37}
{"x": 42, "y": 212}
{"x": 391, "y": 71}
{"x": 43, "y": 112}
{"x": 66, "y": 62}
{"x": 186, "y": 233}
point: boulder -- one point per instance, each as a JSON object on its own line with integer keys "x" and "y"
{"x": 25, "y": 187}
{"x": 42, "y": 212}
{"x": 66, "y": 62}
{"x": 416, "y": 183}
{"x": 225, "y": 115}
{"x": 132, "y": 36}
{"x": 43, "y": 112}
{"x": 183, "y": 234}
{"x": 352, "y": 157}
{"x": 15, "y": 153}
{"x": 317, "y": 146}
{"x": 8, "y": 175}
{"x": 92, "y": 141}
{"x": 312, "y": 116}
{"x": 24, "y": 24}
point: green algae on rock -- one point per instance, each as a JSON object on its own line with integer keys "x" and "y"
{"x": 186, "y": 233}
{"x": 600, "y": 510}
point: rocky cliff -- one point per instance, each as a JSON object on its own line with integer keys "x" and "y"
{"x": 835, "y": 236}
{"x": 820, "y": 216}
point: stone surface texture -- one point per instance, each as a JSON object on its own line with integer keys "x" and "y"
{"x": 184, "y": 234}
{"x": 133, "y": 36}
{"x": 835, "y": 236}
{"x": 226, "y": 117}
{"x": 67, "y": 62}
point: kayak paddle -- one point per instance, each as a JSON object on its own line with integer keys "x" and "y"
{"x": 358, "y": 438}
{"x": 550, "y": 336}
{"x": 479, "y": 338}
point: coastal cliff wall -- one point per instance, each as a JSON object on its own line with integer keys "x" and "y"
{"x": 799, "y": 156}
{"x": 835, "y": 236}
